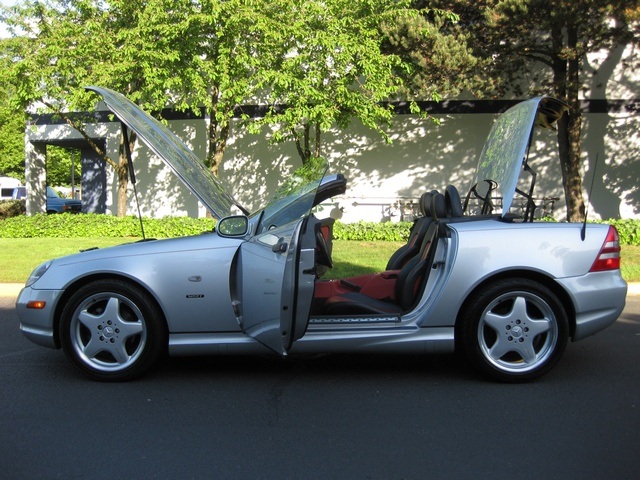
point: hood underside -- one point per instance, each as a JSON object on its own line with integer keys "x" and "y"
{"x": 166, "y": 144}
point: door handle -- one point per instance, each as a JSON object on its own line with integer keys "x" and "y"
{"x": 280, "y": 247}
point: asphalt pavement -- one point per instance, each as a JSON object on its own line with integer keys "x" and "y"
{"x": 326, "y": 417}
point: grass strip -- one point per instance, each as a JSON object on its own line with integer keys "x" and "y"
{"x": 19, "y": 256}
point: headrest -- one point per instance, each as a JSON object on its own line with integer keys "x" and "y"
{"x": 425, "y": 204}
{"x": 438, "y": 206}
{"x": 452, "y": 199}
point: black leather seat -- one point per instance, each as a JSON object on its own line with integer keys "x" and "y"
{"x": 418, "y": 231}
{"x": 411, "y": 280}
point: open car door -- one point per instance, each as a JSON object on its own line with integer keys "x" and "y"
{"x": 276, "y": 284}
{"x": 275, "y": 270}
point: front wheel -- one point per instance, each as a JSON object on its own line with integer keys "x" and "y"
{"x": 514, "y": 331}
{"x": 112, "y": 331}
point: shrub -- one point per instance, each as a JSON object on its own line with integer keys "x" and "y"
{"x": 67, "y": 225}
{"x": 372, "y": 231}
{"x": 629, "y": 231}
{"x": 12, "y": 208}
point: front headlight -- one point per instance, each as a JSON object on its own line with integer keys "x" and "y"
{"x": 37, "y": 273}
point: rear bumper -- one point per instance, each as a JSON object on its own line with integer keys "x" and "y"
{"x": 598, "y": 298}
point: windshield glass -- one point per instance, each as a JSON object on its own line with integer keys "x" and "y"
{"x": 504, "y": 152}
{"x": 295, "y": 198}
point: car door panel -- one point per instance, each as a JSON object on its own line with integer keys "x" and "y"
{"x": 267, "y": 298}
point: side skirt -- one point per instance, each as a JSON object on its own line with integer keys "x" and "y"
{"x": 322, "y": 339}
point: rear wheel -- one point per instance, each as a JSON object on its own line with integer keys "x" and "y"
{"x": 515, "y": 330}
{"x": 112, "y": 330}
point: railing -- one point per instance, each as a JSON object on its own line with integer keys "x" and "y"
{"x": 406, "y": 209}
{"x": 544, "y": 206}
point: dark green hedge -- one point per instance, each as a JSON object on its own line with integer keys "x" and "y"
{"x": 93, "y": 225}
{"x": 629, "y": 231}
{"x": 67, "y": 225}
{"x": 372, "y": 231}
{"x": 11, "y": 208}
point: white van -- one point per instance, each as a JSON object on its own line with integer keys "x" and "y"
{"x": 7, "y": 185}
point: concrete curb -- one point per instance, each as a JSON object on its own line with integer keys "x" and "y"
{"x": 11, "y": 290}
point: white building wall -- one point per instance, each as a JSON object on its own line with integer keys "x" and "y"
{"x": 383, "y": 178}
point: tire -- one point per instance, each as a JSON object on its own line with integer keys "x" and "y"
{"x": 111, "y": 330}
{"x": 514, "y": 331}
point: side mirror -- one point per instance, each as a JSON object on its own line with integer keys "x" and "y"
{"x": 234, "y": 226}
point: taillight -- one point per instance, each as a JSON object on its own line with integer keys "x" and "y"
{"x": 609, "y": 256}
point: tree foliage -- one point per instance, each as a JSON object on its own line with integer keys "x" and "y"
{"x": 532, "y": 47}
{"x": 333, "y": 67}
{"x": 60, "y": 46}
{"x": 326, "y": 61}
{"x": 12, "y": 122}
{"x": 437, "y": 57}
{"x": 211, "y": 54}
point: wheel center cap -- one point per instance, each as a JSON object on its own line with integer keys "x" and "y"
{"x": 108, "y": 332}
{"x": 516, "y": 331}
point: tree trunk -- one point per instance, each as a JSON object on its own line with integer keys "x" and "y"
{"x": 122, "y": 172}
{"x": 303, "y": 142}
{"x": 569, "y": 128}
{"x": 123, "y": 183}
{"x": 218, "y": 134}
{"x": 218, "y": 137}
{"x": 566, "y": 70}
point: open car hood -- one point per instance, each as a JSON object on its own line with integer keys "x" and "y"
{"x": 166, "y": 144}
{"x": 505, "y": 149}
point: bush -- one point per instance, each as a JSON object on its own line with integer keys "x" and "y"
{"x": 372, "y": 231}
{"x": 629, "y": 231}
{"x": 67, "y": 225}
{"x": 12, "y": 208}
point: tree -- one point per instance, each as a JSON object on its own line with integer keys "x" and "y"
{"x": 12, "y": 123}
{"x": 541, "y": 47}
{"x": 60, "y": 46}
{"x": 438, "y": 60}
{"x": 323, "y": 59}
{"x": 221, "y": 49}
{"x": 60, "y": 162}
{"x": 333, "y": 69}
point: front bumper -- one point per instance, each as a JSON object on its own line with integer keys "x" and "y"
{"x": 38, "y": 324}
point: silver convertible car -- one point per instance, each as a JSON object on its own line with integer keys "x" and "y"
{"x": 504, "y": 290}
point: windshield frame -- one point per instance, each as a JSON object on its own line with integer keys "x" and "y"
{"x": 504, "y": 152}
{"x": 294, "y": 199}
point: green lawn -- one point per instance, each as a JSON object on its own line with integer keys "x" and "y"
{"x": 19, "y": 256}
{"x": 631, "y": 263}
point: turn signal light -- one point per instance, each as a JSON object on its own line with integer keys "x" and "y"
{"x": 36, "y": 304}
{"x": 609, "y": 256}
